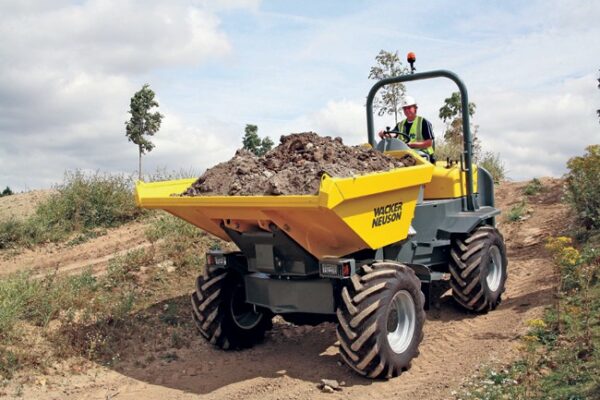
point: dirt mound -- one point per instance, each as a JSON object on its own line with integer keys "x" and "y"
{"x": 293, "y": 167}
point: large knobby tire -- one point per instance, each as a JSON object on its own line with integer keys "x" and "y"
{"x": 221, "y": 313}
{"x": 381, "y": 319}
{"x": 478, "y": 269}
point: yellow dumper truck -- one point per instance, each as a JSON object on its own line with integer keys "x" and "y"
{"x": 362, "y": 252}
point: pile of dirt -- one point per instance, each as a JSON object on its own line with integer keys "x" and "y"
{"x": 293, "y": 167}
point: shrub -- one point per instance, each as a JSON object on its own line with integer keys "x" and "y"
{"x": 583, "y": 190}
{"x": 11, "y": 232}
{"x": 494, "y": 165}
{"x": 447, "y": 150}
{"x": 517, "y": 212}
{"x": 89, "y": 201}
{"x": 533, "y": 187}
{"x": 81, "y": 203}
{"x": 6, "y": 192}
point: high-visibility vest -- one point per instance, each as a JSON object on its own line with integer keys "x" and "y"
{"x": 416, "y": 132}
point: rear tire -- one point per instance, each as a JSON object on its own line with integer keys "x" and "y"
{"x": 380, "y": 320}
{"x": 478, "y": 269}
{"x": 221, "y": 313}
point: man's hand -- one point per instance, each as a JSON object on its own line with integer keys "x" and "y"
{"x": 421, "y": 145}
{"x": 387, "y": 134}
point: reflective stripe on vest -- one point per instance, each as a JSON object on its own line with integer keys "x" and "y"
{"x": 416, "y": 132}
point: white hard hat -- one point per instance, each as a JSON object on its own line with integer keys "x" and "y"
{"x": 408, "y": 101}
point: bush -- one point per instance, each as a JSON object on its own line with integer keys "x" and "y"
{"x": 583, "y": 190}
{"x": 6, "y": 192}
{"x": 533, "y": 187}
{"x": 492, "y": 163}
{"x": 90, "y": 201}
{"x": 517, "y": 212}
{"x": 82, "y": 203}
{"x": 447, "y": 150}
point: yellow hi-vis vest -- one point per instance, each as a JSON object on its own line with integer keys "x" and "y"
{"x": 416, "y": 132}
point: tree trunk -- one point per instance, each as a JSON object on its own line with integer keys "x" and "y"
{"x": 140, "y": 163}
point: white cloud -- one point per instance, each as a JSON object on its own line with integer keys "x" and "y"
{"x": 536, "y": 133}
{"x": 341, "y": 118}
{"x": 69, "y": 70}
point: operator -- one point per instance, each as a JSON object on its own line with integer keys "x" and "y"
{"x": 415, "y": 128}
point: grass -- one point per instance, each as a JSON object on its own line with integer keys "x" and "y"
{"x": 82, "y": 314}
{"x": 100, "y": 317}
{"x": 533, "y": 187}
{"x": 560, "y": 354}
{"x": 494, "y": 165}
{"x": 83, "y": 205}
{"x": 517, "y": 212}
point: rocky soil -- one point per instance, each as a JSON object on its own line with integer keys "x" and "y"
{"x": 293, "y": 167}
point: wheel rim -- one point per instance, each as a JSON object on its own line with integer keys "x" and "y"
{"x": 243, "y": 313}
{"x": 401, "y": 321}
{"x": 494, "y": 275}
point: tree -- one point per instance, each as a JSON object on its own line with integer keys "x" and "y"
{"x": 6, "y": 192}
{"x": 252, "y": 142}
{"x": 451, "y": 114}
{"x": 388, "y": 101}
{"x": 143, "y": 121}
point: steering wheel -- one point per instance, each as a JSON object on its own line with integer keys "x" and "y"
{"x": 405, "y": 137}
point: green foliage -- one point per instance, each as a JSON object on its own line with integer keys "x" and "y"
{"x": 533, "y": 187}
{"x": 494, "y": 165}
{"x": 162, "y": 174}
{"x": 11, "y": 232}
{"x": 143, "y": 121}
{"x": 81, "y": 203}
{"x": 16, "y": 293}
{"x": 583, "y": 190}
{"x": 388, "y": 101}
{"x": 517, "y": 212}
{"x": 180, "y": 242}
{"x": 560, "y": 356}
{"x": 252, "y": 142}
{"x": 6, "y": 192}
{"x": 451, "y": 114}
{"x": 445, "y": 150}
{"x": 120, "y": 268}
{"x": 452, "y": 150}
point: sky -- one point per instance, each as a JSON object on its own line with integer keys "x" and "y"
{"x": 69, "y": 68}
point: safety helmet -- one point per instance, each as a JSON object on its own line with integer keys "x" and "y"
{"x": 408, "y": 101}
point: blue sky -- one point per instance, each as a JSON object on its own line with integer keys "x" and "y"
{"x": 69, "y": 68}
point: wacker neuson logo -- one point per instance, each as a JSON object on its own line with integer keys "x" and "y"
{"x": 386, "y": 214}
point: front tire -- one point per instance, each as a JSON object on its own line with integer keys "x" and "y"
{"x": 221, "y": 313}
{"x": 381, "y": 317}
{"x": 478, "y": 269}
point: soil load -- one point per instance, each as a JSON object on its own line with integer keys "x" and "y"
{"x": 294, "y": 167}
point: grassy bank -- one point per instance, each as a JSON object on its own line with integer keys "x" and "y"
{"x": 560, "y": 354}
{"x": 81, "y": 207}
{"x": 52, "y": 318}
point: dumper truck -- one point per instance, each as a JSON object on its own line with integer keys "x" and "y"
{"x": 363, "y": 252}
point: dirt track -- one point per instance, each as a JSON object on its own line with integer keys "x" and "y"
{"x": 292, "y": 360}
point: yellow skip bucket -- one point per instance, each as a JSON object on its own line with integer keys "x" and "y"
{"x": 347, "y": 214}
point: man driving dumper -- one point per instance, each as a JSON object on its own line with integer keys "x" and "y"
{"x": 414, "y": 129}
